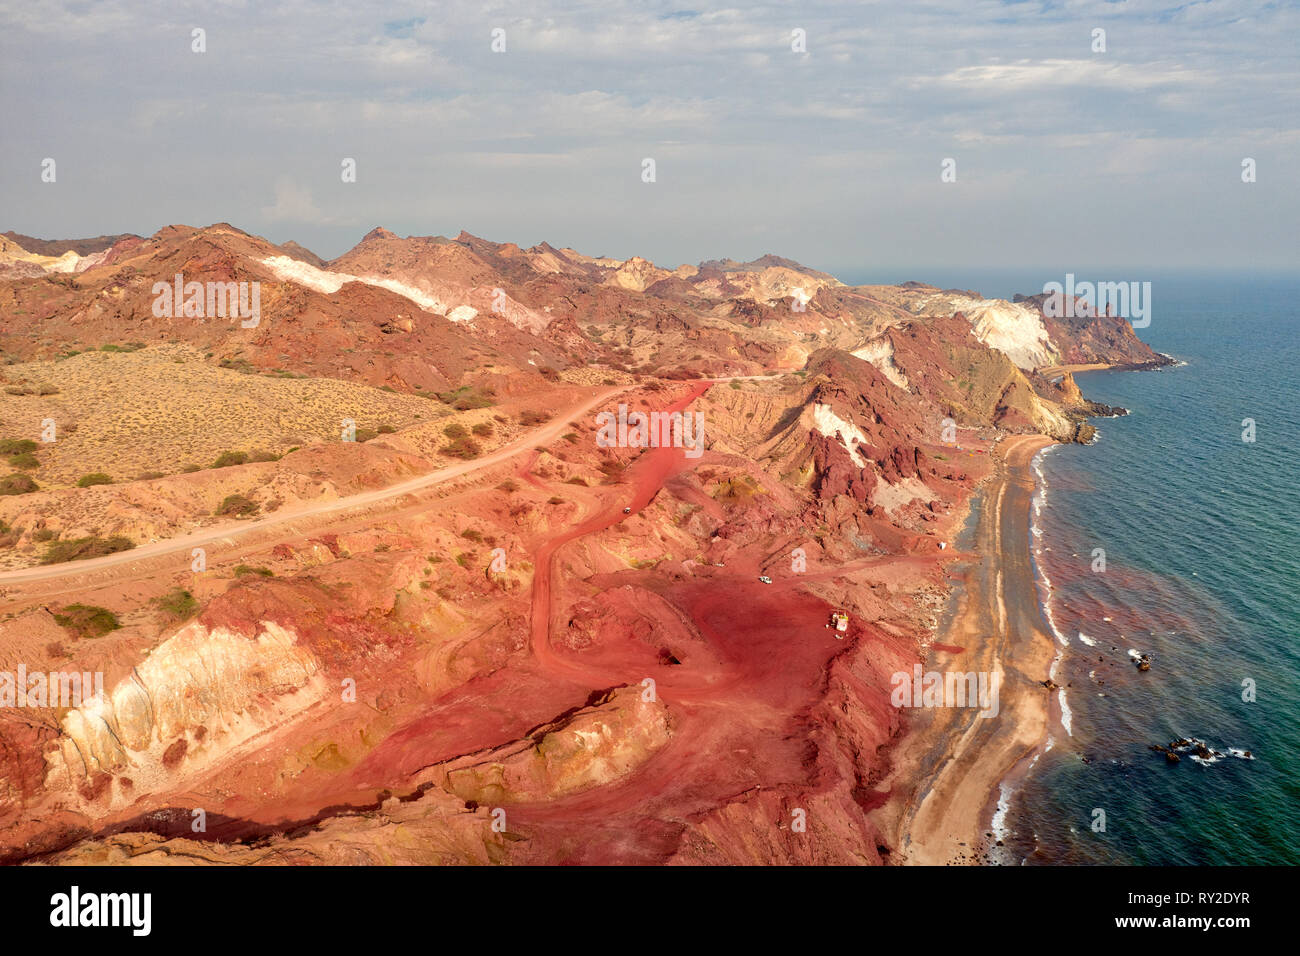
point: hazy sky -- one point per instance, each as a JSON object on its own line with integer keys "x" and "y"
{"x": 1065, "y": 158}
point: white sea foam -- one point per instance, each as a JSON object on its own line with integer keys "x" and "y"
{"x": 999, "y": 822}
{"x": 1087, "y": 640}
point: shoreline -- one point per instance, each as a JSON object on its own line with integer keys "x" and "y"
{"x": 951, "y": 768}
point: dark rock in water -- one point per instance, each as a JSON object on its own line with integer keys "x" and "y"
{"x": 1171, "y": 755}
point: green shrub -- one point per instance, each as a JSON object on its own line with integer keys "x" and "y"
{"x": 17, "y": 484}
{"x": 86, "y": 620}
{"x": 16, "y": 446}
{"x": 465, "y": 448}
{"x": 240, "y": 506}
{"x": 177, "y": 605}
{"x": 243, "y": 570}
{"x": 24, "y": 460}
{"x": 455, "y": 430}
{"x": 44, "y": 534}
{"x": 94, "y": 478}
{"x": 467, "y": 397}
{"x": 82, "y": 549}
{"x": 228, "y": 458}
{"x": 482, "y": 429}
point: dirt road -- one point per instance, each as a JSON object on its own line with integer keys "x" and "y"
{"x": 228, "y": 534}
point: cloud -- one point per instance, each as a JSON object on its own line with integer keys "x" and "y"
{"x": 832, "y": 156}
{"x": 293, "y": 204}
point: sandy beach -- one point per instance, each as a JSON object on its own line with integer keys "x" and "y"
{"x": 946, "y": 773}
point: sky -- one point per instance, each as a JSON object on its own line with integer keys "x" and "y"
{"x": 1066, "y": 157}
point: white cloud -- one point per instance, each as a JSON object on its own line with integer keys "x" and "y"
{"x": 293, "y": 203}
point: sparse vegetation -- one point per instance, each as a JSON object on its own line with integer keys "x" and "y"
{"x": 177, "y": 605}
{"x": 25, "y": 460}
{"x": 94, "y": 478}
{"x": 531, "y": 417}
{"x": 82, "y": 549}
{"x": 467, "y": 397}
{"x": 482, "y": 429}
{"x": 17, "y": 484}
{"x": 244, "y": 570}
{"x": 229, "y": 458}
{"x": 465, "y": 448}
{"x": 241, "y": 506}
{"x": 455, "y": 430}
{"x": 86, "y": 620}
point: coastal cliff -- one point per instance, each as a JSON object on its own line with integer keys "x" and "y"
{"x": 474, "y": 602}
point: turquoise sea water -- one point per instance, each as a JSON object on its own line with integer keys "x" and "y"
{"x": 1201, "y": 533}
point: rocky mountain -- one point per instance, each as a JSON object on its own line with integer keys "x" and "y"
{"x": 471, "y": 629}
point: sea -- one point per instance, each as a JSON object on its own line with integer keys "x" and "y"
{"x": 1174, "y": 536}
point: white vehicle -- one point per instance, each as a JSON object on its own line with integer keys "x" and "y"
{"x": 765, "y": 579}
